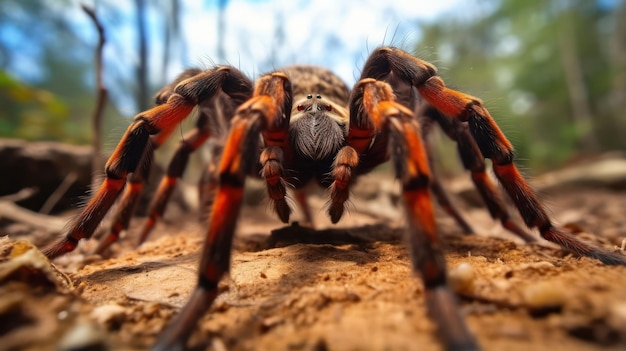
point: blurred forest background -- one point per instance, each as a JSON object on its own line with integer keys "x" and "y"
{"x": 553, "y": 73}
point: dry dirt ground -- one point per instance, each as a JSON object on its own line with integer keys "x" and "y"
{"x": 349, "y": 288}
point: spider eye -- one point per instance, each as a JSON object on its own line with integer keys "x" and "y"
{"x": 300, "y": 107}
{"x": 309, "y": 97}
{"x": 318, "y": 96}
{"x": 329, "y": 108}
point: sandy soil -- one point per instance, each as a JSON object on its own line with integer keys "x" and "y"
{"x": 349, "y": 288}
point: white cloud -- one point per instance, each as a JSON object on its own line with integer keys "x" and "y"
{"x": 333, "y": 33}
{"x": 308, "y": 26}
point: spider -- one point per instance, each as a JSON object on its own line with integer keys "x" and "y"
{"x": 302, "y": 124}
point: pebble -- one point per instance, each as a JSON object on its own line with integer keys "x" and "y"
{"x": 83, "y": 336}
{"x": 544, "y": 295}
{"x": 109, "y": 314}
{"x": 617, "y": 316}
{"x": 462, "y": 278}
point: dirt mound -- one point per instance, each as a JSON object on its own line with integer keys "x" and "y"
{"x": 345, "y": 288}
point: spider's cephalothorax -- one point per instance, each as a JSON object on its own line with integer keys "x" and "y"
{"x": 319, "y": 121}
{"x": 302, "y": 124}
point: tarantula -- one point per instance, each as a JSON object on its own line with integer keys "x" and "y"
{"x": 302, "y": 124}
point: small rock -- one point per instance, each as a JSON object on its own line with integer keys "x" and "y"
{"x": 27, "y": 264}
{"x": 83, "y": 336}
{"x": 111, "y": 315}
{"x": 617, "y": 317}
{"x": 514, "y": 330}
{"x": 462, "y": 278}
{"x": 270, "y": 322}
{"x": 544, "y": 297}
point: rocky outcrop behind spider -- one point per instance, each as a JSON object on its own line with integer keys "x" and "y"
{"x": 42, "y": 184}
{"x": 42, "y": 167}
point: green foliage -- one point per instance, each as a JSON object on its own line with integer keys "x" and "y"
{"x": 31, "y": 113}
{"x": 552, "y": 72}
{"x": 544, "y": 69}
{"x": 54, "y": 99}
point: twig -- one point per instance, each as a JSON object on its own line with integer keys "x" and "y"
{"x": 58, "y": 193}
{"x": 21, "y": 215}
{"x": 101, "y": 96}
{"x": 23, "y": 194}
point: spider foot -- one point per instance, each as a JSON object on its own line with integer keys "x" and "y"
{"x": 107, "y": 242}
{"x": 570, "y": 242}
{"x": 60, "y": 247}
{"x": 282, "y": 209}
{"x": 335, "y": 211}
{"x": 443, "y": 307}
{"x": 178, "y": 331}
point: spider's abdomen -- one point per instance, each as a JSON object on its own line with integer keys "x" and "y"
{"x": 307, "y": 79}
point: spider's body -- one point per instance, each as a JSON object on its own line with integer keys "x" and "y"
{"x": 303, "y": 124}
{"x": 319, "y": 122}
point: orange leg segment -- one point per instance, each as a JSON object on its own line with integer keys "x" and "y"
{"x": 209, "y": 183}
{"x": 158, "y": 121}
{"x": 190, "y": 143}
{"x": 127, "y": 206}
{"x": 123, "y": 161}
{"x": 410, "y": 160}
{"x": 272, "y": 160}
{"x": 494, "y": 145}
{"x": 535, "y": 216}
{"x": 129, "y": 200}
{"x": 474, "y": 162}
{"x": 438, "y": 190}
{"x": 215, "y": 259}
{"x": 343, "y": 168}
{"x": 268, "y": 111}
{"x": 88, "y": 220}
{"x": 428, "y": 259}
{"x": 157, "y": 207}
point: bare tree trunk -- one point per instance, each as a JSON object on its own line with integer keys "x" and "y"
{"x": 167, "y": 42}
{"x": 172, "y": 38}
{"x": 101, "y": 97}
{"x": 142, "y": 68}
{"x": 618, "y": 60}
{"x": 579, "y": 99}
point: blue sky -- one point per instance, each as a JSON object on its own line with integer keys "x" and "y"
{"x": 333, "y": 33}
{"x": 337, "y": 34}
{"x": 260, "y": 35}
{"x": 309, "y": 30}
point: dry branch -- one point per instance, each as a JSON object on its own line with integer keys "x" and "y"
{"x": 19, "y": 214}
{"x": 101, "y": 96}
{"x": 58, "y": 193}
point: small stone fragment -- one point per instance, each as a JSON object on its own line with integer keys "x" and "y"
{"x": 462, "y": 278}
{"x": 617, "y": 317}
{"x": 270, "y": 322}
{"x": 111, "y": 315}
{"x": 83, "y": 336}
{"x": 544, "y": 297}
{"x": 27, "y": 264}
